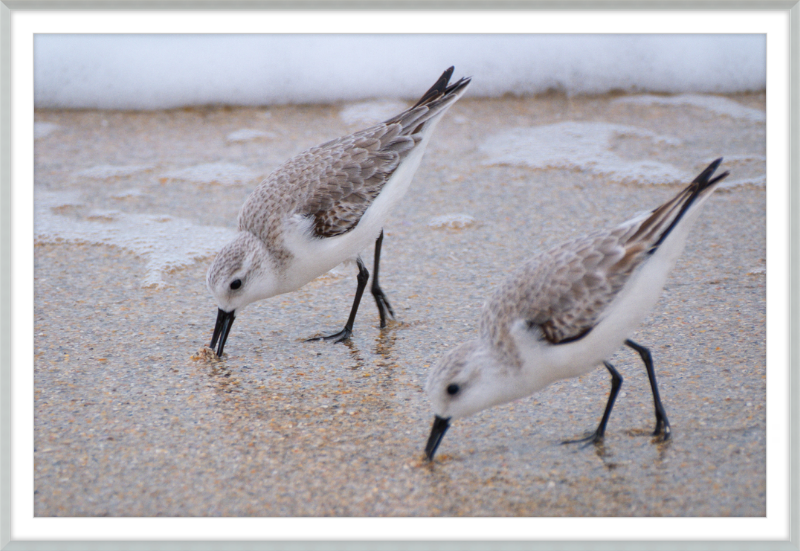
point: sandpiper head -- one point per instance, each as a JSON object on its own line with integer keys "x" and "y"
{"x": 465, "y": 381}
{"x": 239, "y": 275}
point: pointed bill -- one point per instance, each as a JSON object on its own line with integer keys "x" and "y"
{"x": 440, "y": 426}
{"x": 222, "y": 328}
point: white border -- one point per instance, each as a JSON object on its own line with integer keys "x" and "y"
{"x": 774, "y": 527}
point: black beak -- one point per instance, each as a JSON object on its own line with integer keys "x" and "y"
{"x": 221, "y": 330}
{"x": 440, "y": 426}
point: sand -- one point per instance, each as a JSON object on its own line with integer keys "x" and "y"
{"x": 131, "y": 421}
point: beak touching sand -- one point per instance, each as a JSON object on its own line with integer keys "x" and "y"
{"x": 222, "y": 328}
{"x": 440, "y": 426}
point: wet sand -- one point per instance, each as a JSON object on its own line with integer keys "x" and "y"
{"x": 131, "y": 421}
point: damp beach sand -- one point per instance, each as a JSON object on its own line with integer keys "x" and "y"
{"x": 131, "y": 419}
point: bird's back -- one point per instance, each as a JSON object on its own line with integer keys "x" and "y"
{"x": 336, "y": 182}
{"x": 563, "y": 293}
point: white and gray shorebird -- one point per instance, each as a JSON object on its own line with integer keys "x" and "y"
{"x": 323, "y": 207}
{"x": 567, "y": 310}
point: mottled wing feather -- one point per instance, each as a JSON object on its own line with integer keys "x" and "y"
{"x": 336, "y": 182}
{"x": 358, "y": 167}
{"x": 354, "y": 172}
{"x": 593, "y": 275}
{"x": 563, "y": 292}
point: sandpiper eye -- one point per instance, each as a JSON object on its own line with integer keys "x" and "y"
{"x": 453, "y": 389}
{"x": 236, "y": 283}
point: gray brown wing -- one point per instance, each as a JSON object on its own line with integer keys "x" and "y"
{"x": 585, "y": 278}
{"x": 345, "y": 176}
{"x": 333, "y": 183}
{"x": 336, "y": 182}
{"x": 563, "y": 292}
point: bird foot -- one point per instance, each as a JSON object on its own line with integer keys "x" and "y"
{"x": 384, "y": 308}
{"x": 593, "y": 438}
{"x": 662, "y": 432}
{"x": 341, "y": 336}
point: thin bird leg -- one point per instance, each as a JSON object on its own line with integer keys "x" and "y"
{"x": 597, "y": 436}
{"x": 662, "y": 424}
{"x": 344, "y": 334}
{"x": 384, "y": 307}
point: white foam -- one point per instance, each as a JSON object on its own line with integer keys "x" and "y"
{"x": 456, "y": 221}
{"x": 248, "y": 134}
{"x": 226, "y": 174}
{"x": 757, "y": 181}
{"x": 714, "y": 104}
{"x": 159, "y": 71}
{"x": 128, "y": 194}
{"x": 581, "y": 146}
{"x": 371, "y": 112}
{"x": 106, "y": 172}
{"x": 164, "y": 242}
{"x": 42, "y": 129}
{"x": 744, "y": 159}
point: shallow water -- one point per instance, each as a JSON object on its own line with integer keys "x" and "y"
{"x": 131, "y": 421}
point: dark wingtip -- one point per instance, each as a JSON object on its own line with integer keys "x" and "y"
{"x": 704, "y": 179}
{"x": 718, "y": 178}
{"x": 438, "y": 89}
{"x": 460, "y": 83}
{"x": 694, "y": 190}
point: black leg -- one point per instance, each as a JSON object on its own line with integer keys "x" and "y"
{"x": 384, "y": 307}
{"x": 662, "y": 424}
{"x": 344, "y": 334}
{"x": 597, "y": 436}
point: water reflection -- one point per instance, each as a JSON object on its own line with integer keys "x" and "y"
{"x": 355, "y": 353}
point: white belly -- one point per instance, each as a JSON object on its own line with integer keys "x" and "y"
{"x": 545, "y": 363}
